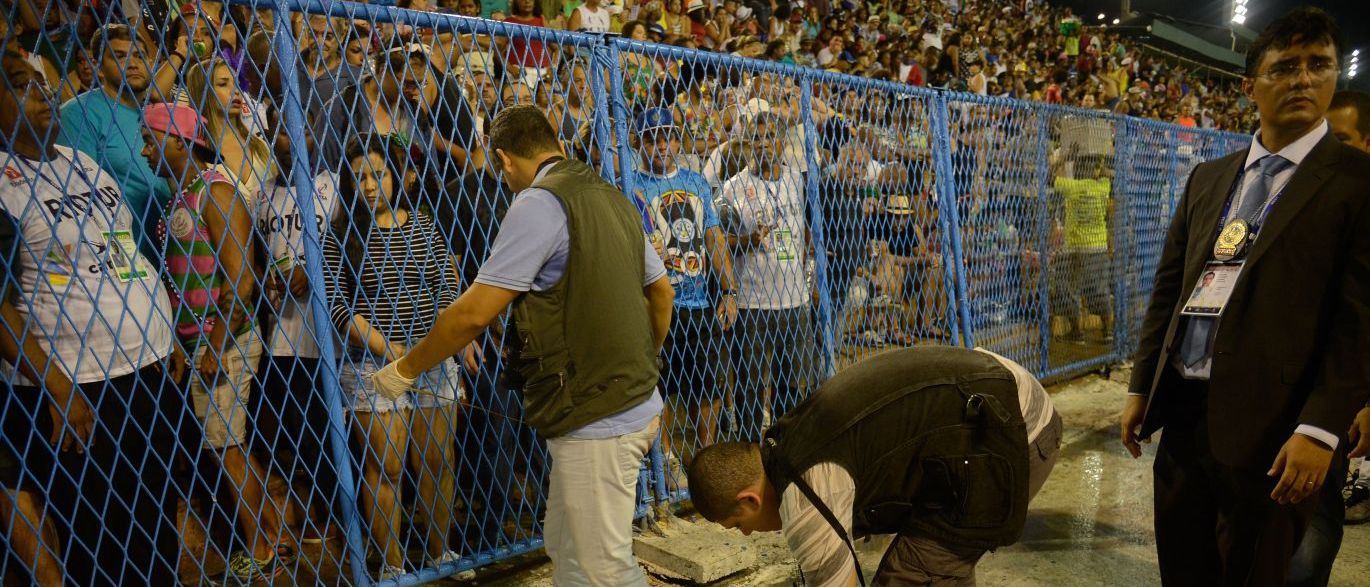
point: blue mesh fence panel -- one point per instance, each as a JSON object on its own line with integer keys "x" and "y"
{"x": 195, "y": 303}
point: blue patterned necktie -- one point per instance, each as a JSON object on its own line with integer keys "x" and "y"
{"x": 1199, "y": 331}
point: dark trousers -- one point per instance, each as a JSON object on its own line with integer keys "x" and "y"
{"x": 495, "y": 443}
{"x": 1215, "y": 524}
{"x": 1312, "y": 562}
{"x": 290, "y": 419}
{"x": 775, "y": 347}
{"x": 114, "y": 505}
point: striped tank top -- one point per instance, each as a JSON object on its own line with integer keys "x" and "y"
{"x": 191, "y": 263}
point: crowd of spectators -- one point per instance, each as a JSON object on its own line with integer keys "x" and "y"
{"x": 1022, "y": 50}
{"x": 182, "y": 111}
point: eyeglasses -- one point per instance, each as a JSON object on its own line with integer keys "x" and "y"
{"x": 1318, "y": 70}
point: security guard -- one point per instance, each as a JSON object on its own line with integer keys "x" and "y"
{"x": 591, "y": 306}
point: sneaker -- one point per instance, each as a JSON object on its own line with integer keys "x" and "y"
{"x": 390, "y": 572}
{"x": 1358, "y": 504}
{"x": 247, "y": 570}
{"x": 452, "y": 557}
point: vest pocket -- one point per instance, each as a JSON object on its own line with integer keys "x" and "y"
{"x": 547, "y": 400}
{"x": 975, "y": 490}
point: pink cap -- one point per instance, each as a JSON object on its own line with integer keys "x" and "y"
{"x": 177, "y": 120}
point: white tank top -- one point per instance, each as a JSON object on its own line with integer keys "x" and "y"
{"x": 593, "y": 21}
{"x": 95, "y": 304}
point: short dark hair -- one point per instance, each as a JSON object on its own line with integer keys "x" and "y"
{"x": 100, "y": 42}
{"x": 718, "y": 473}
{"x": 523, "y": 130}
{"x": 1360, "y": 102}
{"x": 1303, "y": 25}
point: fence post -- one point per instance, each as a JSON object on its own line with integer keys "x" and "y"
{"x": 1171, "y": 169}
{"x": 608, "y": 53}
{"x": 621, "y": 116}
{"x": 600, "y": 65}
{"x": 1044, "y": 221}
{"x": 820, "y": 277}
{"x": 949, "y": 222}
{"x": 286, "y": 56}
{"x": 1122, "y": 215}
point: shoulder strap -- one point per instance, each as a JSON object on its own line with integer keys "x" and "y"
{"x": 827, "y": 514}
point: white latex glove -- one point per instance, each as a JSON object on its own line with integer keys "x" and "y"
{"x": 389, "y": 383}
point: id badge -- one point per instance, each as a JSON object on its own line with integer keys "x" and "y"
{"x": 1215, "y": 287}
{"x": 784, "y": 244}
{"x": 123, "y": 255}
{"x": 283, "y": 263}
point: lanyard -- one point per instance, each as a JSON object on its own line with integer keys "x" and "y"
{"x": 1241, "y": 193}
{"x": 38, "y": 169}
{"x": 778, "y": 207}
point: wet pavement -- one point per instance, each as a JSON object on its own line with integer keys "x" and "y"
{"x": 1090, "y": 525}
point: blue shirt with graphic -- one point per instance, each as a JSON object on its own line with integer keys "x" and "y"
{"x": 677, "y": 210}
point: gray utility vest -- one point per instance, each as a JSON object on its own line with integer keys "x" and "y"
{"x": 933, "y": 437}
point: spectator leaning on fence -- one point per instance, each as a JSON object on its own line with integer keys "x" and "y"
{"x": 389, "y": 274}
{"x": 683, "y": 227}
{"x": 1254, "y": 405}
{"x": 93, "y": 304}
{"x": 770, "y": 251}
{"x": 584, "y": 310}
{"x": 209, "y": 264}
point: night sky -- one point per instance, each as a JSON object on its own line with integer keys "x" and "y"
{"x": 1352, "y": 15}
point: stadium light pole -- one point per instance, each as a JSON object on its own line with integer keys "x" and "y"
{"x": 1239, "y": 11}
{"x": 1353, "y": 65}
{"x": 1238, "y": 18}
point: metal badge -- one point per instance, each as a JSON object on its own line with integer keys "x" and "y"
{"x": 1232, "y": 240}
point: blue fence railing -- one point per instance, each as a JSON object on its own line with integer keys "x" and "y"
{"x": 848, "y": 215}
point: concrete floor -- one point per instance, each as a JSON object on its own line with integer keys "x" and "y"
{"x": 1090, "y": 525}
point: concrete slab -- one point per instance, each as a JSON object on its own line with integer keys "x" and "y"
{"x": 699, "y": 553}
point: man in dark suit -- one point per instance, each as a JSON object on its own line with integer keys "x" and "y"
{"x": 1254, "y": 398}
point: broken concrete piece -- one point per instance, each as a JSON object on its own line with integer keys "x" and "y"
{"x": 699, "y": 553}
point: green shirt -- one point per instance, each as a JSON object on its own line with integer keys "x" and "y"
{"x": 1086, "y": 203}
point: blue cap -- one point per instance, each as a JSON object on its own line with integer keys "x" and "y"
{"x": 652, "y": 119}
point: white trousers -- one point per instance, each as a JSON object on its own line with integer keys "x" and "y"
{"x": 590, "y": 504}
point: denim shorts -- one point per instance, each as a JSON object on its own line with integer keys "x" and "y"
{"x": 436, "y": 388}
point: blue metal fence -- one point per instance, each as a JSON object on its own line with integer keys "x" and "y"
{"x": 861, "y": 214}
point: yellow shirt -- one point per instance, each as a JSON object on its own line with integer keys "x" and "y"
{"x": 1086, "y": 214}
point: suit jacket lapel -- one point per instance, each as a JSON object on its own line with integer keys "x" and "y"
{"x": 1310, "y": 175}
{"x": 1204, "y": 224}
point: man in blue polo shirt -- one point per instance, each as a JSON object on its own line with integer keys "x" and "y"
{"x": 106, "y": 123}
{"x": 681, "y": 223}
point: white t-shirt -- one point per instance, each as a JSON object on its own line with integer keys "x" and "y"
{"x": 826, "y": 56}
{"x": 91, "y": 299}
{"x": 820, "y": 551}
{"x": 771, "y": 275}
{"x": 279, "y": 221}
{"x": 932, "y": 40}
{"x": 593, "y": 21}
